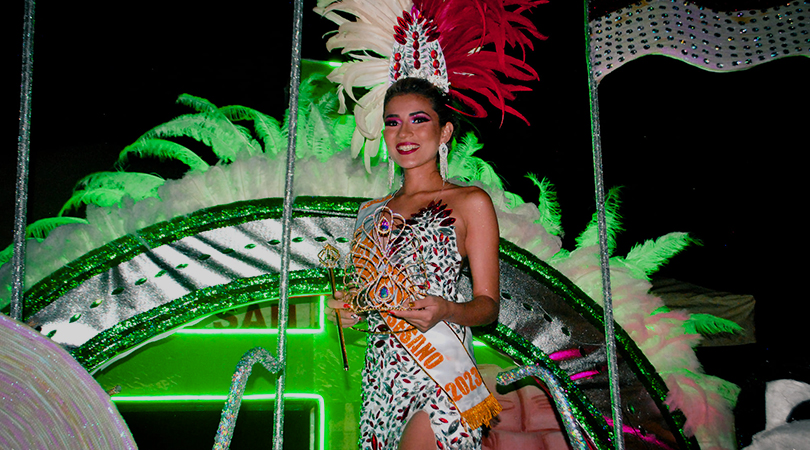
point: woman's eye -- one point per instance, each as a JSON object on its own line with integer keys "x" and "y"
{"x": 391, "y": 123}
{"x": 420, "y": 119}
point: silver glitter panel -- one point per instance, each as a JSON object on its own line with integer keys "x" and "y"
{"x": 210, "y": 258}
{"x": 718, "y": 41}
{"x": 534, "y": 311}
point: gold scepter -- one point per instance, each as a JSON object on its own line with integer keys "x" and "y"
{"x": 329, "y": 258}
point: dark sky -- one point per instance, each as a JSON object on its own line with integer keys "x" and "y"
{"x": 721, "y": 156}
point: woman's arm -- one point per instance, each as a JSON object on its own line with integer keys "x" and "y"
{"x": 481, "y": 239}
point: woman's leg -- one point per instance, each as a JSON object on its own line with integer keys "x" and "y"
{"x": 418, "y": 434}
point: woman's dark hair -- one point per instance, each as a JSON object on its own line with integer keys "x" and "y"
{"x": 439, "y": 101}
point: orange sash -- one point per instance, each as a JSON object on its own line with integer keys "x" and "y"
{"x": 449, "y": 362}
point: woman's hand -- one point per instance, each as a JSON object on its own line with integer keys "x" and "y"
{"x": 347, "y": 317}
{"x": 426, "y": 313}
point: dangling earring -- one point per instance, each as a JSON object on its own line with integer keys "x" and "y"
{"x": 443, "y": 150}
{"x": 391, "y": 170}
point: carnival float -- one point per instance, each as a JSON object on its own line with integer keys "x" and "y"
{"x": 137, "y": 313}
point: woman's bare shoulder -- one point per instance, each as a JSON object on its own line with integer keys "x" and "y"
{"x": 470, "y": 198}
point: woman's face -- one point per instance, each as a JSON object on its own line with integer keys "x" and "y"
{"x": 412, "y": 131}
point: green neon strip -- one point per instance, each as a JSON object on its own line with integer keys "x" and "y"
{"x": 222, "y": 398}
{"x": 265, "y": 331}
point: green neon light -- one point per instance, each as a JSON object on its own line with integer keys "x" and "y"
{"x": 223, "y": 398}
{"x": 334, "y": 64}
{"x": 254, "y": 331}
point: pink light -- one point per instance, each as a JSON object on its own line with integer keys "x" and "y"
{"x": 565, "y": 354}
{"x": 585, "y": 374}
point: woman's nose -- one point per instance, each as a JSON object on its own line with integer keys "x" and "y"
{"x": 405, "y": 129}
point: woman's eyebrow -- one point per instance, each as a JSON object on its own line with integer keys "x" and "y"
{"x": 415, "y": 113}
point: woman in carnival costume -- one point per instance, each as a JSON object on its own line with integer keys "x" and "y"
{"x": 421, "y": 387}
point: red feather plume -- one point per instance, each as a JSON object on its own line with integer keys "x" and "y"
{"x": 474, "y": 36}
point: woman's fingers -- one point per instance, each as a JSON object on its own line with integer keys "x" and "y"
{"x": 340, "y": 300}
{"x": 347, "y": 317}
{"x": 420, "y": 319}
{"x": 337, "y": 304}
{"x": 424, "y": 313}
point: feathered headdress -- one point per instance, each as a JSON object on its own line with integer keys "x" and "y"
{"x": 458, "y": 45}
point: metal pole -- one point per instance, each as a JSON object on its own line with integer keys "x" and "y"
{"x": 610, "y": 333}
{"x": 23, "y": 140}
{"x": 295, "y": 81}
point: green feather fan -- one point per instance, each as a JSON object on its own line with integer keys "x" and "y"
{"x": 707, "y": 324}
{"x": 198, "y": 104}
{"x": 646, "y": 258}
{"x": 590, "y": 236}
{"x": 550, "y": 214}
{"x": 109, "y": 188}
{"x": 266, "y": 128}
{"x": 163, "y": 150}
{"x": 225, "y": 138}
{"x": 464, "y": 165}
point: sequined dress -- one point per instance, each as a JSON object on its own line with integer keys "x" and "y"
{"x": 394, "y": 386}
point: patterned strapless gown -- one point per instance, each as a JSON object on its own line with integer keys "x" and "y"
{"x": 394, "y": 386}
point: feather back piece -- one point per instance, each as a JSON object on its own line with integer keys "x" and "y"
{"x": 463, "y": 42}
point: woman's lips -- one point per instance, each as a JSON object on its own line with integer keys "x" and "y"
{"x": 406, "y": 148}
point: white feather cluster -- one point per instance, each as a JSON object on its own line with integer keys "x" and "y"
{"x": 706, "y": 401}
{"x": 371, "y": 33}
